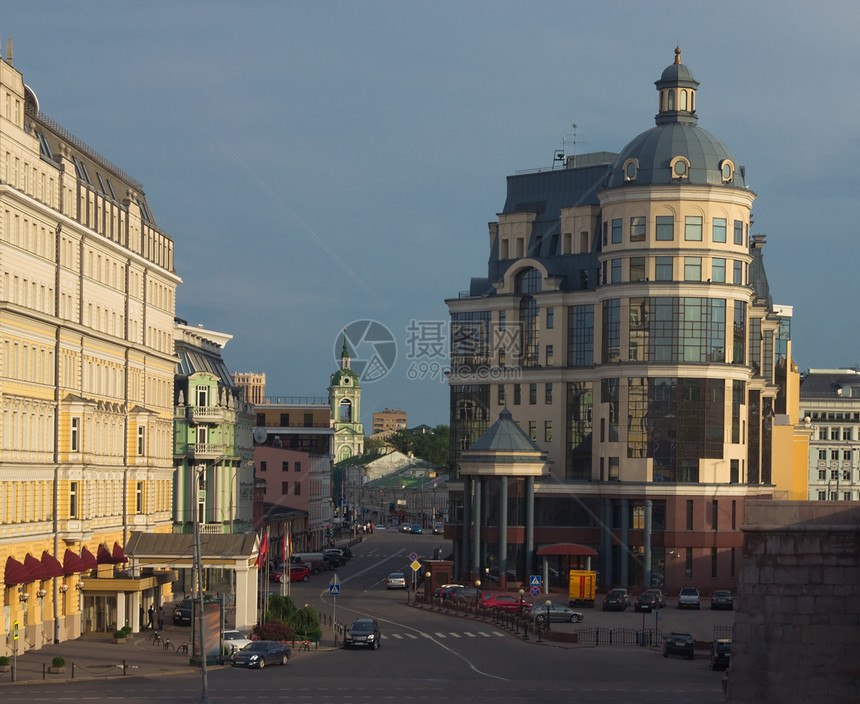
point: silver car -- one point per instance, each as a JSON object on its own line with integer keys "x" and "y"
{"x": 556, "y": 612}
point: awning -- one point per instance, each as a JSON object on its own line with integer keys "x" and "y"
{"x": 103, "y": 556}
{"x": 72, "y": 563}
{"x": 51, "y": 565}
{"x": 34, "y": 567}
{"x": 88, "y": 559}
{"x": 15, "y": 573}
{"x": 567, "y": 549}
{"x": 118, "y": 555}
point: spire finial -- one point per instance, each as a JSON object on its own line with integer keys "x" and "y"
{"x": 677, "y": 54}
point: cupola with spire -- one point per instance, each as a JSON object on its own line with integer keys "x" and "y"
{"x": 677, "y": 89}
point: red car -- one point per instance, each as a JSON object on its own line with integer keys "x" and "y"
{"x": 506, "y": 602}
{"x": 298, "y": 573}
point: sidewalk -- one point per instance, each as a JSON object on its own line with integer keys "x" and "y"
{"x": 94, "y": 657}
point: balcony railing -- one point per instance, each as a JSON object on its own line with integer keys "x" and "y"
{"x": 205, "y": 449}
{"x": 206, "y": 414}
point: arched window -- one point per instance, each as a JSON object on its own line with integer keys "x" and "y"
{"x": 345, "y": 415}
{"x": 671, "y": 103}
{"x": 683, "y": 100}
{"x": 528, "y": 281}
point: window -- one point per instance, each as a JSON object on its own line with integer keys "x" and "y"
{"x": 715, "y": 515}
{"x": 297, "y": 488}
{"x": 737, "y": 273}
{"x": 834, "y": 455}
{"x": 616, "y": 231}
{"x": 689, "y": 514}
{"x": 517, "y": 395}
{"x": 547, "y": 395}
{"x": 616, "y": 271}
{"x": 549, "y": 355}
{"x": 263, "y": 466}
{"x": 846, "y": 455}
{"x": 637, "y": 268}
{"x": 663, "y": 269}
{"x": 285, "y": 466}
{"x": 688, "y": 563}
{"x": 532, "y": 394}
{"x": 734, "y": 472}
{"x": 822, "y": 496}
{"x": 692, "y": 268}
{"x": 719, "y": 231}
{"x": 693, "y": 228}
{"x": 665, "y": 228}
{"x": 550, "y": 318}
{"x": 261, "y": 420}
{"x": 739, "y": 232}
{"x": 73, "y": 499}
{"x": 547, "y": 431}
{"x": 637, "y": 228}
{"x": 74, "y": 435}
{"x": 718, "y": 270}
{"x": 285, "y": 488}
{"x": 285, "y": 420}
{"x": 139, "y": 501}
{"x": 822, "y": 474}
{"x": 614, "y": 469}
{"x": 297, "y": 466}
{"x": 533, "y": 429}
{"x": 822, "y": 454}
{"x": 141, "y": 441}
{"x": 501, "y": 399}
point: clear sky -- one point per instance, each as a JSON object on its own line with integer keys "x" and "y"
{"x": 322, "y": 163}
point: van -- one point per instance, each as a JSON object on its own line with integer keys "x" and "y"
{"x": 582, "y": 587}
{"x": 314, "y": 561}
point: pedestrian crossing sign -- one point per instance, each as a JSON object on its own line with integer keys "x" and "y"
{"x": 334, "y": 589}
{"x": 534, "y": 580}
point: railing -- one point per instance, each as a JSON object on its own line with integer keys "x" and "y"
{"x": 205, "y": 448}
{"x": 295, "y": 400}
{"x": 211, "y": 413}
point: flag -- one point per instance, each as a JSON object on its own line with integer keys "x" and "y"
{"x": 261, "y": 555}
{"x": 290, "y": 546}
{"x": 284, "y": 550}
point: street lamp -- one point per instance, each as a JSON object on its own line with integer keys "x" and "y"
{"x": 522, "y": 616}
{"x": 548, "y": 604}
{"x": 428, "y": 589}
{"x": 477, "y": 595}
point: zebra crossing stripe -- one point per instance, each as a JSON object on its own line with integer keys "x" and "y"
{"x": 471, "y": 635}
{"x": 440, "y": 635}
{"x": 483, "y": 635}
{"x": 455, "y": 635}
{"x": 412, "y": 636}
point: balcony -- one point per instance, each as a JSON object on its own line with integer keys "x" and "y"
{"x": 206, "y": 414}
{"x": 205, "y": 450}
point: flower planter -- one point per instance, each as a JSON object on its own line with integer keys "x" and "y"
{"x": 57, "y": 670}
{"x": 118, "y": 640}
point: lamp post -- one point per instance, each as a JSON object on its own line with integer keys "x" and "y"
{"x": 428, "y": 589}
{"x": 477, "y": 595}
{"x": 197, "y": 578}
{"x": 522, "y": 616}
{"x": 548, "y": 604}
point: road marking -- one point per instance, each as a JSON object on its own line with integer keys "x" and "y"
{"x": 455, "y": 635}
{"x": 441, "y": 635}
{"x": 471, "y": 635}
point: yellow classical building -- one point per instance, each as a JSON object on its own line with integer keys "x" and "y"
{"x": 87, "y": 300}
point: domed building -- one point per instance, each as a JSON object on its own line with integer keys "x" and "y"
{"x": 626, "y": 324}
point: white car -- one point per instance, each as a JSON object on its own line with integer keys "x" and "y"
{"x": 234, "y": 640}
{"x": 380, "y": 526}
{"x": 396, "y": 580}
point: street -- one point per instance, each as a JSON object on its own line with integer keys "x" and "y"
{"x": 426, "y": 655}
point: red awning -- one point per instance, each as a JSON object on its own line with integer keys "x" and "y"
{"x": 118, "y": 554}
{"x": 16, "y": 573}
{"x": 34, "y": 567}
{"x": 567, "y": 549}
{"x": 51, "y": 565}
{"x": 88, "y": 559}
{"x": 103, "y": 556}
{"x": 72, "y": 563}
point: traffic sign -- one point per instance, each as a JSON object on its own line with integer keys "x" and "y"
{"x": 413, "y": 556}
{"x": 534, "y": 591}
{"x": 415, "y": 565}
{"x": 334, "y": 589}
{"x": 535, "y": 580}
{"x": 14, "y": 630}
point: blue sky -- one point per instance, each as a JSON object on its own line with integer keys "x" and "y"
{"x": 319, "y": 163}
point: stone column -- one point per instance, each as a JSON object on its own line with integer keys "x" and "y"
{"x": 530, "y": 525}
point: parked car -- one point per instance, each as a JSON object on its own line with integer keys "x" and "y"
{"x": 298, "y": 573}
{"x": 722, "y": 599}
{"x": 659, "y": 597}
{"x": 440, "y": 592}
{"x": 645, "y": 602}
{"x": 363, "y": 633}
{"x": 260, "y": 653}
{"x": 183, "y": 612}
{"x": 463, "y": 594}
{"x": 396, "y": 580}
{"x": 679, "y": 644}
{"x": 380, "y": 526}
{"x": 688, "y": 598}
{"x": 507, "y": 602}
{"x": 557, "y": 612}
{"x": 343, "y": 554}
{"x": 234, "y": 640}
{"x": 617, "y": 599}
{"x": 721, "y": 654}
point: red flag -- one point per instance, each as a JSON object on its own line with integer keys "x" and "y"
{"x": 264, "y": 548}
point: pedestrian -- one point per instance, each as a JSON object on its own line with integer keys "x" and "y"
{"x": 160, "y": 618}
{"x": 151, "y": 615}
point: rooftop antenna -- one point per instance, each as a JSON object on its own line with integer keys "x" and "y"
{"x": 570, "y": 160}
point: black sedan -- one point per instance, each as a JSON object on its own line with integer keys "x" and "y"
{"x": 261, "y": 653}
{"x": 363, "y": 633}
{"x": 646, "y": 602}
{"x": 722, "y": 599}
{"x": 679, "y": 644}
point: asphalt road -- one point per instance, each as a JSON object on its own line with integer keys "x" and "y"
{"x": 427, "y": 656}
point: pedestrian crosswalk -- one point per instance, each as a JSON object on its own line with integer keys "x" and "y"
{"x": 441, "y": 635}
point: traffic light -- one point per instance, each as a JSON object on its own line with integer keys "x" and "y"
{"x": 328, "y": 530}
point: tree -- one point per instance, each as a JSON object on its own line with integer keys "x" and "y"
{"x": 431, "y": 447}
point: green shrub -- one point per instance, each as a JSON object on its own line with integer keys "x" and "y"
{"x": 119, "y": 634}
{"x": 281, "y": 608}
{"x": 4, "y": 661}
{"x": 306, "y": 624}
{"x": 126, "y": 630}
{"x": 58, "y": 662}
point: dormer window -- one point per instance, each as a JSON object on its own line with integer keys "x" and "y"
{"x": 680, "y": 167}
{"x": 631, "y": 169}
{"x": 727, "y": 171}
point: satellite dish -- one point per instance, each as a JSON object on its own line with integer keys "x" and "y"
{"x": 260, "y": 435}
